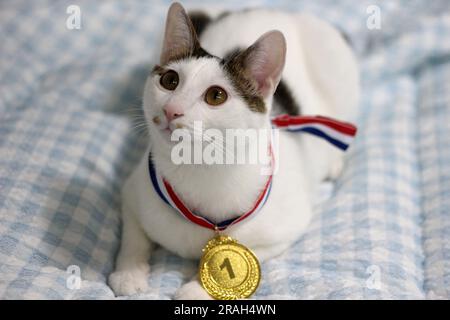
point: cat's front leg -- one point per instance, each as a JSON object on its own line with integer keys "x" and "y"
{"x": 192, "y": 290}
{"x": 132, "y": 268}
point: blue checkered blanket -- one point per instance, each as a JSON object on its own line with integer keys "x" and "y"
{"x": 68, "y": 97}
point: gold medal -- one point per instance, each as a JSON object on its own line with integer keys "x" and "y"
{"x": 228, "y": 270}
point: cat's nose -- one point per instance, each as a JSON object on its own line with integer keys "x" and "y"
{"x": 172, "y": 112}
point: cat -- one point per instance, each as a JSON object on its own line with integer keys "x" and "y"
{"x": 262, "y": 62}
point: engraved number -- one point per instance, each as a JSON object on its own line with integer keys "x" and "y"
{"x": 226, "y": 264}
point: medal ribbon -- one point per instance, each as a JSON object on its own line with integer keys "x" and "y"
{"x": 168, "y": 195}
{"x": 338, "y": 133}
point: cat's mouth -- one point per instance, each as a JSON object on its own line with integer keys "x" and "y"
{"x": 171, "y": 127}
{"x": 166, "y": 132}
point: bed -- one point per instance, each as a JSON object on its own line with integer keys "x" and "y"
{"x": 69, "y": 99}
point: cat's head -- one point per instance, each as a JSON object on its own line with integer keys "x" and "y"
{"x": 191, "y": 85}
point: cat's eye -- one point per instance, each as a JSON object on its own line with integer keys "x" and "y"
{"x": 169, "y": 80}
{"x": 215, "y": 96}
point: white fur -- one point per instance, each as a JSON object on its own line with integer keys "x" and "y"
{"x": 323, "y": 76}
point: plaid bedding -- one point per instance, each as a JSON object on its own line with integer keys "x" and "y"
{"x": 68, "y": 102}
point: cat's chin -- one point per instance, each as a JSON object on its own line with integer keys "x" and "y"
{"x": 166, "y": 135}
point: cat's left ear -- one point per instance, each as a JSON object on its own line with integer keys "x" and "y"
{"x": 180, "y": 38}
{"x": 264, "y": 61}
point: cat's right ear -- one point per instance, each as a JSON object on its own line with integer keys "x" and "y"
{"x": 180, "y": 39}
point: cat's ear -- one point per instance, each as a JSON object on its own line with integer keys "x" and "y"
{"x": 264, "y": 61}
{"x": 180, "y": 38}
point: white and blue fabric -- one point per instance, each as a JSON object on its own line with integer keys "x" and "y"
{"x": 68, "y": 102}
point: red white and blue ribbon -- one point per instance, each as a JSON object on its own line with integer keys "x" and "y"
{"x": 338, "y": 133}
{"x": 168, "y": 195}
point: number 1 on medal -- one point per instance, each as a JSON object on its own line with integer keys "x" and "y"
{"x": 226, "y": 264}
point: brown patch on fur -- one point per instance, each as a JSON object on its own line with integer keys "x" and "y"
{"x": 230, "y": 55}
{"x": 156, "y": 120}
{"x": 157, "y": 69}
{"x": 235, "y": 66}
{"x": 196, "y": 52}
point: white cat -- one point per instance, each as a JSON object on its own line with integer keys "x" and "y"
{"x": 237, "y": 55}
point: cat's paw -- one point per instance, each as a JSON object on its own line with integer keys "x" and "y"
{"x": 192, "y": 291}
{"x": 129, "y": 282}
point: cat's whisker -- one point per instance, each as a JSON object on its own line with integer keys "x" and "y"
{"x": 141, "y": 132}
{"x": 129, "y": 109}
{"x": 140, "y": 127}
